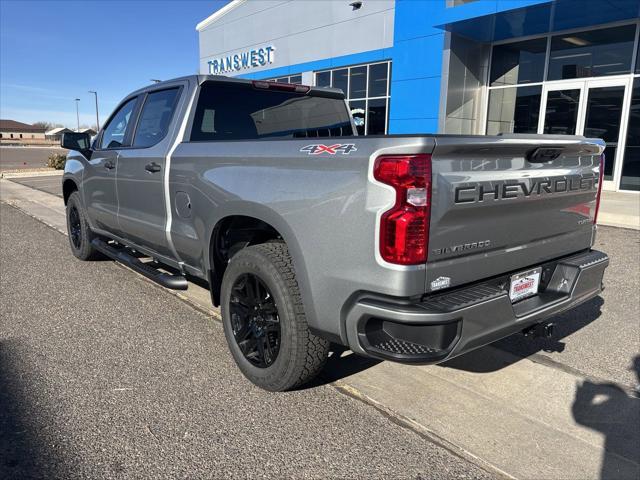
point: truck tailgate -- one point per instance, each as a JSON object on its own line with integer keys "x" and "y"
{"x": 505, "y": 203}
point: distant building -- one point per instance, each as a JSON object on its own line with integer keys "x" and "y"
{"x": 90, "y": 131}
{"x": 55, "y": 134}
{"x": 18, "y": 132}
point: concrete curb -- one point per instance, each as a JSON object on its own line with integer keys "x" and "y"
{"x": 31, "y": 173}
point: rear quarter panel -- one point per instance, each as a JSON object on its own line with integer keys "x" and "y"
{"x": 324, "y": 206}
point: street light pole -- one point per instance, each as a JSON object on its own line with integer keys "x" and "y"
{"x": 97, "y": 118}
{"x": 77, "y": 114}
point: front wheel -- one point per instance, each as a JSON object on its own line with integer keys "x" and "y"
{"x": 264, "y": 321}
{"x": 80, "y": 235}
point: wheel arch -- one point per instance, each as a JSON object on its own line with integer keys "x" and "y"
{"x": 233, "y": 232}
{"x": 69, "y": 186}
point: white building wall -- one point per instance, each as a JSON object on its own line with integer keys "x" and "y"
{"x": 299, "y": 30}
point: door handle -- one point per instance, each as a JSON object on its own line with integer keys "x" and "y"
{"x": 152, "y": 167}
{"x": 109, "y": 165}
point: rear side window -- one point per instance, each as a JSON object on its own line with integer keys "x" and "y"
{"x": 155, "y": 117}
{"x": 240, "y": 112}
{"x": 115, "y": 131}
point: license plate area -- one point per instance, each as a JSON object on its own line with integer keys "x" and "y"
{"x": 525, "y": 284}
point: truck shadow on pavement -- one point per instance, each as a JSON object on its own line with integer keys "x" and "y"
{"x": 483, "y": 360}
{"x": 615, "y": 413}
{"x": 26, "y": 449}
{"x": 341, "y": 363}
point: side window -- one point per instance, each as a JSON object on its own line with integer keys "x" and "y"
{"x": 155, "y": 117}
{"x": 114, "y": 133}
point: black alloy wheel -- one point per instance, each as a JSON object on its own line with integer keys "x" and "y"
{"x": 254, "y": 320}
{"x": 75, "y": 227}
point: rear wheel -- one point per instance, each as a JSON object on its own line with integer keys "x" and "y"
{"x": 264, "y": 321}
{"x": 80, "y": 235}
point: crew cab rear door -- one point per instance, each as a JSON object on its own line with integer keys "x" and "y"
{"x": 504, "y": 203}
{"x": 142, "y": 211}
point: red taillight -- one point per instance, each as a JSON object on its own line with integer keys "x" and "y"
{"x": 600, "y": 179}
{"x": 404, "y": 229}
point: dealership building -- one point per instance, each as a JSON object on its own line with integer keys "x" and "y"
{"x": 451, "y": 66}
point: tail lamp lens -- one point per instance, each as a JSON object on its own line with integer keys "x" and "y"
{"x": 404, "y": 229}
{"x": 600, "y": 179}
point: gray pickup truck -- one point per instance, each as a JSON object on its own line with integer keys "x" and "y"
{"x": 411, "y": 248}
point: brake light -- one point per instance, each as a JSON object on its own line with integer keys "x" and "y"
{"x": 287, "y": 87}
{"x": 600, "y": 179}
{"x": 404, "y": 229}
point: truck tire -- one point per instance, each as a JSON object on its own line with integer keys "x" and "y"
{"x": 80, "y": 235}
{"x": 264, "y": 320}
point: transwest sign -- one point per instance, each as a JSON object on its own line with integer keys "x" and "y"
{"x": 256, "y": 57}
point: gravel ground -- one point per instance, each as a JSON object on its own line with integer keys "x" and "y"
{"x": 104, "y": 375}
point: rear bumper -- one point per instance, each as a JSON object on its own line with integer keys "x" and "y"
{"x": 446, "y": 325}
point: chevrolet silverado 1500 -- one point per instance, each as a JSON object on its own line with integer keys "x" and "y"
{"x": 411, "y": 248}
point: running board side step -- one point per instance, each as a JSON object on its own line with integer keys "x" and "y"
{"x": 174, "y": 282}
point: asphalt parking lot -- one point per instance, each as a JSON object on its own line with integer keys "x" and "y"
{"x": 25, "y": 158}
{"x": 104, "y": 375}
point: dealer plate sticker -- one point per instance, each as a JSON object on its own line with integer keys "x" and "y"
{"x": 525, "y": 284}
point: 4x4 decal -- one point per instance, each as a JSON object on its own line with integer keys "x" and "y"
{"x": 318, "y": 148}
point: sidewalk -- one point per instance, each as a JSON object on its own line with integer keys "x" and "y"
{"x": 518, "y": 417}
{"x": 620, "y": 209}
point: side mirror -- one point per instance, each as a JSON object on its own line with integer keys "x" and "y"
{"x": 76, "y": 141}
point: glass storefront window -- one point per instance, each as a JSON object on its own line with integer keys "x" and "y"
{"x": 340, "y": 79}
{"x": 514, "y": 110}
{"x": 594, "y": 53}
{"x": 518, "y": 62}
{"x": 358, "y": 82}
{"x": 376, "y": 116}
{"x": 323, "y": 79}
{"x": 604, "y": 113}
{"x": 358, "y": 110}
{"x": 291, "y": 79}
{"x": 630, "y": 178}
{"x": 561, "y": 116}
{"x": 366, "y": 88}
{"x": 378, "y": 75}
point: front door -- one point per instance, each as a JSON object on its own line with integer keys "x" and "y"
{"x": 142, "y": 212}
{"x": 593, "y": 108}
{"x": 99, "y": 178}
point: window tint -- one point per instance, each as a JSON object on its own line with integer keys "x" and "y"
{"x": 376, "y": 116}
{"x": 358, "y": 82}
{"x": 323, "y": 79}
{"x": 358, "y": 110}
{"x": 341, "y": 80}
{"x": 239, "y": 112}
{"x": 593, "y": 53}
{"x": 514, "y": 110}
{"x": 518, "y": 62}
{"x": 378, "y": 80}
{"x": 561, "y": 116}
{"x": 155, "y": 117}
{"x": 113, "y": 136}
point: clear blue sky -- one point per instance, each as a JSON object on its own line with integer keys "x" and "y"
{"x": 54, "y": 51}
